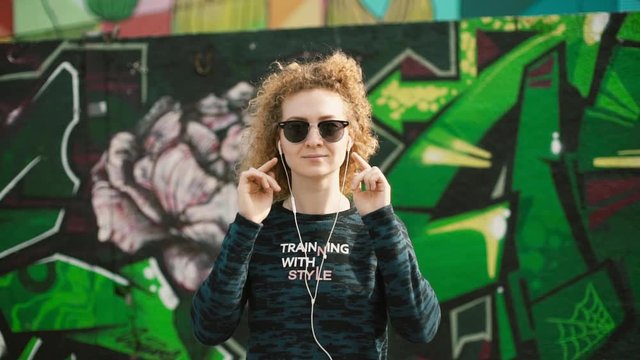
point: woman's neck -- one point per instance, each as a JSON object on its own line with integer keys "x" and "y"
{"x": 313, "y": 197}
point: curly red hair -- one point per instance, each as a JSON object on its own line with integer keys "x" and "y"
{"x": 336, "y": 72}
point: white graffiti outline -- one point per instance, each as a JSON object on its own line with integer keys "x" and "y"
{"x": 165, "y": 293}
{"x": 457, "y": 344}
{"x": 233, "y": 345}
{"x": 66, "y": 45}
{"x": 75, "y": 83}
{"x": 452, "y": 71}
{"x": 84, "y": 265}
{"x": 44, "y": 235}
{"x": 394, "y": 63}
{"x": 19, "y": 177}
{"x": 35, "y": 348}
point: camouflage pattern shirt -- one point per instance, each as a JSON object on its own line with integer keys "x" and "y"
{"x": 369, "y": 276}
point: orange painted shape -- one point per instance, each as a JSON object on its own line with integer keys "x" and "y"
{"x": 308, "y": 14}
{"x": 6, "y": 18}
{"x": 280, "y": 10}
{"x": 155, "y": 24}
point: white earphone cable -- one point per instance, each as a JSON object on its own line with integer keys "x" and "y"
{"x": 324, "y": 257}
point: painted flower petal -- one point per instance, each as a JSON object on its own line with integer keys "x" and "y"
{"x": 240, "y": 94}
{"x": 204, "y": 232}
{"x": 219, "y": 122}
{"x": 120, "y": 221}
{"x": 204, "y": 142}
{"x": 213, "y": 105}
{"x": 231, "y": 145}
{"x": 221, "y": 208}
{"x": 179, "y": 182}
{"x": 188, "y": 265}
{"x": 122, "y": 153}
{"x": 164, "y": 134}
{"x": 142, "y": 172}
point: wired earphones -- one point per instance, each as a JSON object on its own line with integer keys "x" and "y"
{"x": 313, "y": 296}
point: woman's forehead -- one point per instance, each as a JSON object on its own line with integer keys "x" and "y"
{"x": 314, "y": 104}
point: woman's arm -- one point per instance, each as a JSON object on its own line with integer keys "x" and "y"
{"x": 411, "y": 302}
{"x": 218, "y": 304}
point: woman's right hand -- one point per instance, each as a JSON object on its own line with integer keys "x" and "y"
{"x": 255, "y": 191}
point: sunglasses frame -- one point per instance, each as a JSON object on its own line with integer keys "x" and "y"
{"x": 344, "y": 124}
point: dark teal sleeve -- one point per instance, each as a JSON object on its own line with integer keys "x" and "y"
{"x": 218, "y": 304}
{"x": 411, "y": 302}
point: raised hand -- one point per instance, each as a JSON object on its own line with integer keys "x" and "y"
{"x": 255, "y": 191}
{"x": 377, "y": 192}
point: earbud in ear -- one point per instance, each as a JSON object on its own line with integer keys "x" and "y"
{"x": 279, "y": 148}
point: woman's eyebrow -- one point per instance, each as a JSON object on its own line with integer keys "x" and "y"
{"x": 321, "y": 118}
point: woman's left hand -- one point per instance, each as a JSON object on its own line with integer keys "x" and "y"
{"x": 377, "y": 192}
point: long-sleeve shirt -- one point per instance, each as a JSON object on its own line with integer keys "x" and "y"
{"x": 370, "y": 276}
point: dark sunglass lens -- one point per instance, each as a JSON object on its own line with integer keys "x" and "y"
{"x": 331, "y": 130}
{"x": 296, "y": 131}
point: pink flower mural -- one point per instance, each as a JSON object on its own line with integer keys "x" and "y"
{"x": 171, "y": 183}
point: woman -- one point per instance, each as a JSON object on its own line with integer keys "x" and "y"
{"x": 322, "y": 274}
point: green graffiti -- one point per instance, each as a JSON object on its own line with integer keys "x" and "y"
{"x": 469, "y": 118}
{"x": 575, "y": 321}
{"x": 30, "y": 349}
{"x": 611, "y": 130}
{"x": 396, "y": 102}
{"x": 507, "y": 344}
{"x": 463, "y": 252}
{"x": 629, "y": 29}
{"x": 36, "y": 157}
{"x": 515, "y": 173}
{"x": 587, "y": 327}
{"x": 546, "y": 247}
{"x": 72, "y": 300}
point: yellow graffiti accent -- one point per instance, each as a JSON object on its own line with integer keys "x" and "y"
{"x": 468, "y": 63}
{"x": 617, "y": 162}
{"x": 349, "y": 12}
{"x": 409, "y": 11}
{"x": 560, "y": 30}
{"x": 492, "y": 225}
{"x": 531, "y": 22}
{"x": 287, "y": 14}
{"x": 191, "y": 16}
{"x": 436, "y": 155}
{"x": 468, "y": 148}
{"x": 593, "y": 27}
{"x": 629, "y": 152}
{"x": 341, "y": 12}
{"x": 400, "y": 99}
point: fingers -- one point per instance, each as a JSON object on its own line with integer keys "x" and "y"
{"x": 253, "y": 177}
{"x": 258, "y": 177}
{"x": 362, "y": 164}
{"x": 273, "y": 183}
{"x": 268, "y": 165}
{"x": 373, "y": 179}
{"x": 362, "y": 176}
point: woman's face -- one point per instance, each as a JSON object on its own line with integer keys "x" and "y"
{"x": 315, "y": 157}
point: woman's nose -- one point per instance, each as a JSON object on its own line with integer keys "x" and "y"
{"x": 313, "y": 137}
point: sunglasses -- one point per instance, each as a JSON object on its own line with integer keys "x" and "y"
{"x": 297, "y": 130}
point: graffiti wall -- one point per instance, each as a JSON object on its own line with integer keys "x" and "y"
{"x": 512, "y": 146}
{"x": 75, "y": 19}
